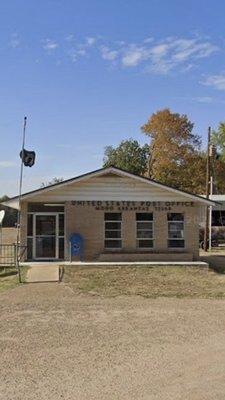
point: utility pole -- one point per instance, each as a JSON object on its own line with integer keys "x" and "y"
{"x": 208, "y": 175}
{"x": 150, "y": 160}
{"x": 210, "y": 214}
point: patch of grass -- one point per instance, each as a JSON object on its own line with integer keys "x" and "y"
{"x": 146, "y": 281}
{"x": 9, "y": 277}
{"x": 215, "y": 259}
{"x": 7, "y": 271}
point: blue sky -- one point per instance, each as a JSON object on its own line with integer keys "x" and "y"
{"x": 89, "y": 73}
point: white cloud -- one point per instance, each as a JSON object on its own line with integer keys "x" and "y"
{"x": 91, "y": 41}
{"x": 76, "y": 52}
{"x": 160, "y": 50}
{"x": 7, "y": 164}
{"x": 186, "y": 48}
{"x": 73, "y": 55}
{"x": 149, "y": 40}
{"x": 161, "y": 57}
{"x": 50, "y": 45}
{"x": 188, "y": 67}
{"x": 216, "y": 81}
{"x": 134, "y": 56}
{"x": 179, "y": 52}
{"x": 69, "y": 38}
{"x": 14, "y": 41}
{"x": 203, "y": 99}
{"x": 108, "y": 54}
{"x": 79, "y": 50}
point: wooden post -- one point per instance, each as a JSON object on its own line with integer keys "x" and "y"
{"x": 208, "y": 168}
{"x": 210, "y": 214}
{"x": 70, "y": 250}
{"x": 16, "y": 249}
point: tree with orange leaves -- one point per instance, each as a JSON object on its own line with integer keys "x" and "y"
{"x": 175, "y": 151}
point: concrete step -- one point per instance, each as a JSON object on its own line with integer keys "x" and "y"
{"x": 43, "y": 273}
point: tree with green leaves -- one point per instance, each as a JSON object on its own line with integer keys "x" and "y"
{"x": 128, "y": 155}
{"x": 218, "y": 138}
{"x": 219, "y": 176}
{"x": 52, "y": 182}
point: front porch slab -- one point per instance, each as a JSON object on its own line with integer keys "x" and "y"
{"x": 43, "y": 273}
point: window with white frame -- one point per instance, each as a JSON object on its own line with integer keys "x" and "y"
{"x": 144, "y": 230}
{"x": 113, "y": 231}
{"x": 175, "y": 230}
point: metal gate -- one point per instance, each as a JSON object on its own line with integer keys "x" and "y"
{"x": 11, "y": 254}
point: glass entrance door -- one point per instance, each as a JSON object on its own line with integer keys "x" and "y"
{"x": 46, "y": 236}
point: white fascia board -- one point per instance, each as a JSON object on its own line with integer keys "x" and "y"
{"x": 14, "y": 203}
{"x": 164, "y": 187}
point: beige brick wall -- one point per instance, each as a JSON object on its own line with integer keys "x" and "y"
{"x": 23, "y": 224}
{"x": 90, "y": 224}
{"x": 9, "y": 235}
{"x": 23, "y": 227}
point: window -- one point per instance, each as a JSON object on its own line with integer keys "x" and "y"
{"x": 113, "y": 222}
{"x": 175, "y": 230}
{"x": 218, "y": 218}
{"x": 144, "y": 230}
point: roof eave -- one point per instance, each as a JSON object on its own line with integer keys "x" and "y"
{"x": 117, "y": 171}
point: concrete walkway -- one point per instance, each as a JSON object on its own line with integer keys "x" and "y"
{"x": 43, "y": 273}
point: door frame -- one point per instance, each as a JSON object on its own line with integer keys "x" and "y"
{"x": 56, "y": 214}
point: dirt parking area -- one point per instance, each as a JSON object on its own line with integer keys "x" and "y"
{"x": 56, "y": 344}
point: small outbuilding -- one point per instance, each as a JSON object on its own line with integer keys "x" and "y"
{"x": 119, "y": 216}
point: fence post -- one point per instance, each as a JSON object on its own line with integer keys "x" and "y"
{"x": 17, "y": 261}
{"x": 14, "y": 254}
{"x": 70, "y": 249}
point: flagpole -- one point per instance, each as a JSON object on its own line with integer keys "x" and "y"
{"x": 20, "y": 195}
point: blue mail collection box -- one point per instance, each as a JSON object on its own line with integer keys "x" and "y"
{"x": 77, "y": 245}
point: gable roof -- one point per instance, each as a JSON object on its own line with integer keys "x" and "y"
{"x": 14, "y": 201}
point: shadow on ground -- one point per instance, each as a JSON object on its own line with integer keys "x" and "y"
{"x": 216, "y": 260}
{"x": 5, "y": 271}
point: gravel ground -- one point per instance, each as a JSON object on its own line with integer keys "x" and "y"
{"x": 58, "y": 345}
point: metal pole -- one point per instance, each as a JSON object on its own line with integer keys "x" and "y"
{"x": 210, "y": 216}
{"x": 1, "y": 238}
{"x": 206, "y": 235}
{"x": 20, "y": 194}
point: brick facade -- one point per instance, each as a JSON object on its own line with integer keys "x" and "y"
{"x": 89, "y": 222}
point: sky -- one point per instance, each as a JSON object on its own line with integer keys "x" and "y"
{"x": 88, "y": 74}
